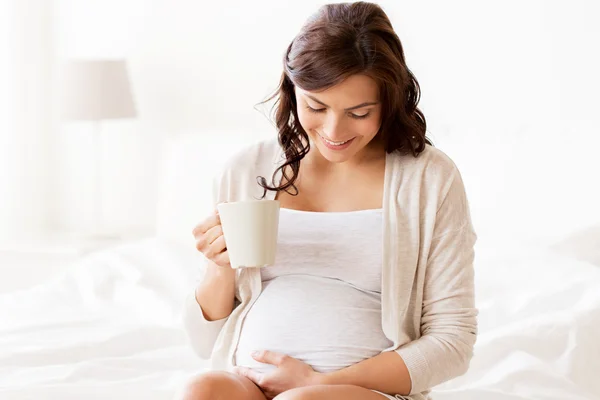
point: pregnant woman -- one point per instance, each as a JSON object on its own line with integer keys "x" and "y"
{"x": 371, "y": 296}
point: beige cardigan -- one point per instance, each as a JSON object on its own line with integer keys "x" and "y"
{"x": 428, "y": 309}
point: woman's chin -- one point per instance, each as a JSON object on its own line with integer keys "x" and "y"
{"x": 335, "y": 156}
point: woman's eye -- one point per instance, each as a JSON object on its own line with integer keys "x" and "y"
{"x": 359, "y": 116}
{"x": 315, "y": 110}
{"x": 320, "y": 110}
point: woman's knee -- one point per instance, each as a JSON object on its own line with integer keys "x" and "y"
{"x": 209, "y": 385}
{"x": 220, "y": 385}
{"x": 302, "y": 393}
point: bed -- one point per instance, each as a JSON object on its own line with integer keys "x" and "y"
{"x": 109, "y": 327}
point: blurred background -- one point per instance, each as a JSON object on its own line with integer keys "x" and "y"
{"x": 113, "y": 114}
{"x": 498, "y": 80}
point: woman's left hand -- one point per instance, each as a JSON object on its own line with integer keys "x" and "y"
{"x": 290, "y": 373}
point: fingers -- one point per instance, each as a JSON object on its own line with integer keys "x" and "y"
{"x": 269, "y": 357}
{"x": 215, "y": 248}
{"x": 204, "y": 238}
{"x": 249, "y": 373}
{"x": 205, "y": 225}
{"x": 210, "y": 240}
{"x": 222, "y": 259}
{"x": 213, "y": 234}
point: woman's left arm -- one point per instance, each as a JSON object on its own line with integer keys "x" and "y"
{"x": 449, "y": 316}
{"x": 385, "y": 372}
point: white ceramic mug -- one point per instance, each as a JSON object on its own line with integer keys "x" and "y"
{"x": 250, "y": 229}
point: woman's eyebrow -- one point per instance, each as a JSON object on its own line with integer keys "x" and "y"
{"x": 366, "y": 103}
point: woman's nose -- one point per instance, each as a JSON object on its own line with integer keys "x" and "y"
{"x": 333, "y": 129}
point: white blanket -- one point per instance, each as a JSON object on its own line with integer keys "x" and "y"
{"x": 109, "y": 328}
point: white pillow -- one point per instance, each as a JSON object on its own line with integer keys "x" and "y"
{"x": 189, "y": 163}
{"x": 583, "y": 245}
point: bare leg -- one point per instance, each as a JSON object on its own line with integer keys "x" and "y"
{"x": 220, "y": 385}
{"x": 330, "y": 392}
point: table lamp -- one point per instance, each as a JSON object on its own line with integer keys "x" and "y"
{"x": 96, "y": 90}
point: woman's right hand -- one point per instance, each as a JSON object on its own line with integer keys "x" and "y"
{"x": 210, "y": 240}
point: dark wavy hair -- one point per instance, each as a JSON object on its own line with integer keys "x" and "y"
{"x": 340, "y": 40}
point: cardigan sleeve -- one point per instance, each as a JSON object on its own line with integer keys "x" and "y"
{"x": 449, "y": 316}
{"x": 202, "y": 334}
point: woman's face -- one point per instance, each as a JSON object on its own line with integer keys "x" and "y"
{"x": 342, "y": 120}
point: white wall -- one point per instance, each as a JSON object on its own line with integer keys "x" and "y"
{"x": 25, "y": 115}
{"x": 7, "y": 140}
{"x": 501, "y": 82}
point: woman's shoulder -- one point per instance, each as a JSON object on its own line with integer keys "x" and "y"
{"x": 236, "y": 178}
{"x": 434, "y": 176}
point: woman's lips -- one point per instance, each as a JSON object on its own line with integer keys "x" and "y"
{"x": 332, "y": 146}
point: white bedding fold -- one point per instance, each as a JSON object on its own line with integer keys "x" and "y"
{"x": 110, "y": 328}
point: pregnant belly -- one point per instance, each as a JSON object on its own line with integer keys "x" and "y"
{"x": 323, "y": 322}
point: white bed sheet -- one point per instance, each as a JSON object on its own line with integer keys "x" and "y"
{"x": 109, "y": 328}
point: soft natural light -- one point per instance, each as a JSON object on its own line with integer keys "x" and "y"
{"x": 115, "y": 115}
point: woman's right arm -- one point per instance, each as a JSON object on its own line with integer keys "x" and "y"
{"x": 216, "y": 293}
{"x": 208, "y": 308}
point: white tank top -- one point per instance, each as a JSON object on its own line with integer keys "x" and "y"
{"x": 321, "y": 301}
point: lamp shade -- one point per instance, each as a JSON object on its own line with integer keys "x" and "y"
{"x": 96, "y": 90}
